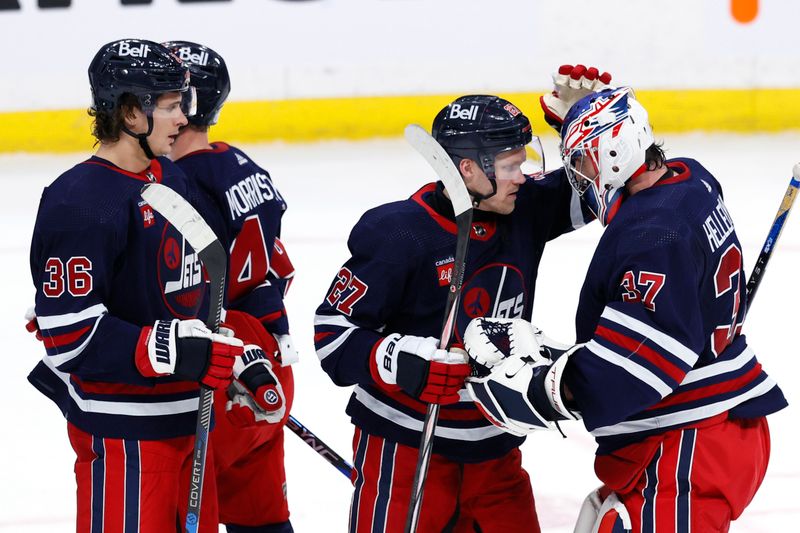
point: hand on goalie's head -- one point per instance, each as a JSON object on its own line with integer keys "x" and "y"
{"x": 570, "y": 84}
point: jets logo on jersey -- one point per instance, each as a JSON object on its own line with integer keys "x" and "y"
{"x": 496, "y": 290}
{"x": 180, "y": 274}
{"x": 476, "y": 302}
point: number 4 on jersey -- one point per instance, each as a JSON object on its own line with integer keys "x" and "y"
{"x": 249, "y": 261}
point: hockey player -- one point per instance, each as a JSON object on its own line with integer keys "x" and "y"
{"x": 661, "y": 375}
{"x": 248, "y": 437}
{"x": 376, "y": 327}
{"x": 117, "y": 292}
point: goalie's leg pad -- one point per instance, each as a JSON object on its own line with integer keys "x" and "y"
{"x": 603, "y": 512}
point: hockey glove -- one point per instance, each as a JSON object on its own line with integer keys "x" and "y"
{"x": 31, "y": 324}
{"x": 489, "y": 341}
{"x": 256, "y": 395}
{"x": 570, "y": 84}
{"x": 417, "y": 366}
{"x": 521, "y": 390}
{"x": 188, "y": 350}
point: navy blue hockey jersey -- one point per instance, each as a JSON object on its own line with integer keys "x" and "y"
{"x": 104, "y": 265}
{"x": 397, "y": 281}
{"x": 251, "y": 208}
{"x": 661, "y": 312}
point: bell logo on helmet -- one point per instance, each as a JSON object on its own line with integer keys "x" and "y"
{"x": 125, "y": 49}
{"x": 185, "y": 54}
{"x": 464, "y": 114}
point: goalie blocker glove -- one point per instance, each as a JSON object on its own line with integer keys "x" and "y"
{"x": 256, "y": 395}
{"x": 187, "y": 349}
{"x": 522, "y": 391}
{"x": 417, "y": 366}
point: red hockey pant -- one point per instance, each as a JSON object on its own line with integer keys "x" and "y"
{"x": 690, "y": 480}
{"x": 138, "y": 485}
{"x": 251, "y": 480}
{"x": 495, "y": 495}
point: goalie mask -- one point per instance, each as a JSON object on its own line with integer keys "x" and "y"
{"x": 603, "y": 143}
{"x": 479, "y": 127}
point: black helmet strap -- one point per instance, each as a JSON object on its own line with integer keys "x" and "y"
{"x": 142, "y": 137}
{"x": 477, "y": 197}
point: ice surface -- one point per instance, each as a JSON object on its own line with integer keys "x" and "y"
{"x": 327, "y": 187}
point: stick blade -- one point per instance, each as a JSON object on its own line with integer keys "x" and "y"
{"x": 180, "y": 214}
{"x": 437, "y": 158}
{"x": 796, "y": 171}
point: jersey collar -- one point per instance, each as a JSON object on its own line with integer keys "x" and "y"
{"x": 152, "y": 173}
{"x": 483, "y": 229}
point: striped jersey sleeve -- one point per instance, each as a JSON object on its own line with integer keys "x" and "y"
{"x": 362, "y": 296}
{"x": 72, "y": 258}
{"x": 648, "y": 337}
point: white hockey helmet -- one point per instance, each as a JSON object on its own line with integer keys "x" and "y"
{"x": 603, "y": 143}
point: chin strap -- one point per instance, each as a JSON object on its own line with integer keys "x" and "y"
{"x": 142, "y": 137}
{"x": 477, "y": 197}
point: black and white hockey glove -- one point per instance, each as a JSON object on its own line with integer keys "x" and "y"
{"x": 522, "y": 391}
{"x": 417, "y": 366}
{"x": 188, "y": 350}
{"x": 489, "y": 341}
{"x": 570, "y": 84}
{"x": 256, "y": 395}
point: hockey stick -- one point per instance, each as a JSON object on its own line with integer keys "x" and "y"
{"x": 437, "y": 158}
{"x": 774, "y": 233}
{"x": 196, "y": 231}
{"x": 320, "y": 447}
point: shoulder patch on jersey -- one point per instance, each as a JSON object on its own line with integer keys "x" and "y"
{"x": 241, "y": 160}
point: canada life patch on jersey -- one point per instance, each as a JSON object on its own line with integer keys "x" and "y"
{"x": 495, "y": 290}
{"x": 148, "y": 216}
{"x": 180, "y": 274}
{"x": 444, "y": 270}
